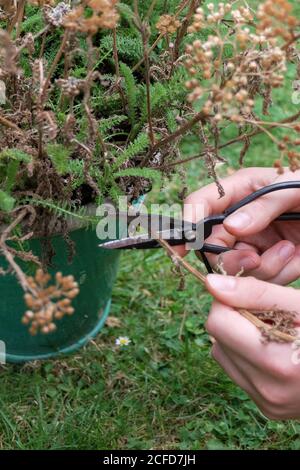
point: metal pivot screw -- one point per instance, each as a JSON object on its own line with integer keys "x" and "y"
{"x": 190, "y": 235}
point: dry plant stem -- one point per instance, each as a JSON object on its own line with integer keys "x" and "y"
{"x": 161, "y": 35}
{"x": 181, "y": 261}
{"x": 16, "y": 20}
{"x": 42, "y": 50}
{"x": 179, "y": 132}
{"x": 260, "y": 324}
{"x": 6, "y": 123}
{"x": 117, "y": 66}
{"x": 148, "y": 83}
{"x": 143, "y": 29}
{"x": 9, "y": 256}
{"x": 84, "y": 147}
{"x": 201, "y": 277}
{"x": 149, "y": 51}
{"x": 136, "y": 9}
{"x": 236, "y": 140}
{"x": 19, "y": 18}
{"x": 35, "y": 37}
{"x": 54, "y": 65}
{"x": 87, "y": 97}
{"x": 289, "y": 43}
{"x": 150, "y": 10}
{"x": 182, "y": 31}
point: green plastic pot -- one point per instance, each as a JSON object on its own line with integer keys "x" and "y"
{"x": 95, "y": 269}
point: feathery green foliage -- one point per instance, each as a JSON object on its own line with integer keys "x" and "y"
{"x": 64, "y": 209}
{"x": 107, "y": 125}
{"x": 15, "y": 154}
{"x": 7, "y": 202}
{"x": 134, "y": 148}
{"x": 59, "y": 155}
{"x": 160, "y": 98}
{"x": 139, "y": 172}
{"x": 130, "y": 47}
{"x": 10, "y": 160}
{"x": 131, "y": 91}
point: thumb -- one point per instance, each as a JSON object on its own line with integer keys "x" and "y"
{"x": 251, "y": 293}
{"x": 258, "y": 215}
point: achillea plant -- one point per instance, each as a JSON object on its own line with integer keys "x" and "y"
{"x": 99, "y": 94}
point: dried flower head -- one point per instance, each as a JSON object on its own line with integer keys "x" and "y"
{"x": 263, "y": 63}
{"x": 8, "y": 7}
{"x": 104, "y": 16}
{"x": 167, "y": 24}
{"x": 48, "y": 303}
{"x": 198, "y": 22}
{"x": 56, "y": 16}
{"x": 276, "y": 20}
{"x": 276, "y": 320}
{"x": 42, "y": 3}
{"x": 71, "y": 86}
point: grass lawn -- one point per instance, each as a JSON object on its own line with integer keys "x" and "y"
{"x": 161, "y": 392}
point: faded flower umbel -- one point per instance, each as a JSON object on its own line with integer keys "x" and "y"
{"x": 104, "y": 16}
{"x": 168, "y": 24}
{"x": 48, "y": 303}
{"x": 56, "y": 16}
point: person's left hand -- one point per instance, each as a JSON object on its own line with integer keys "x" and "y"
{"x": 269, "y": 373}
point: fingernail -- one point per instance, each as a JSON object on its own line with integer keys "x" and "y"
{"x": 286, "y": 251}
{"x": 240, "y": 220}
{"x": 218, "y": 282}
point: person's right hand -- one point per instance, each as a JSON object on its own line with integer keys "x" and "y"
{"x": 268, "y": 250}
{"x": 269, "y": 372}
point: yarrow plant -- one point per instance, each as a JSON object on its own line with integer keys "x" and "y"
{"x": 99, "y": 95}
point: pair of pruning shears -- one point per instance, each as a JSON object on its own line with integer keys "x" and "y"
{"x": 180, "y": 232}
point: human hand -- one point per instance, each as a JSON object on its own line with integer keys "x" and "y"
{"x": 269, "y": 373}
{"x": 268, "y": 250}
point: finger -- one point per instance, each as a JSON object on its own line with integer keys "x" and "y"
{"x": 228, "y": 365}
{"x": 291, "y": 272}
{"x": 257, "y": 215}
{"x": 262, "y": 241}
{"x": 235, "y": 260}
{"x": 236, "y": 187}
{"x": 233, "y": 331}
{"x": 246, "y": 246}
{"x": 252, "y": 293}
{"x": 258, "y": 243}
{"x": 274, "y": 260}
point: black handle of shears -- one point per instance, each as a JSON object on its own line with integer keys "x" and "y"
{"x": 210, "y": 222}
{"x": 262, "y": 192}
